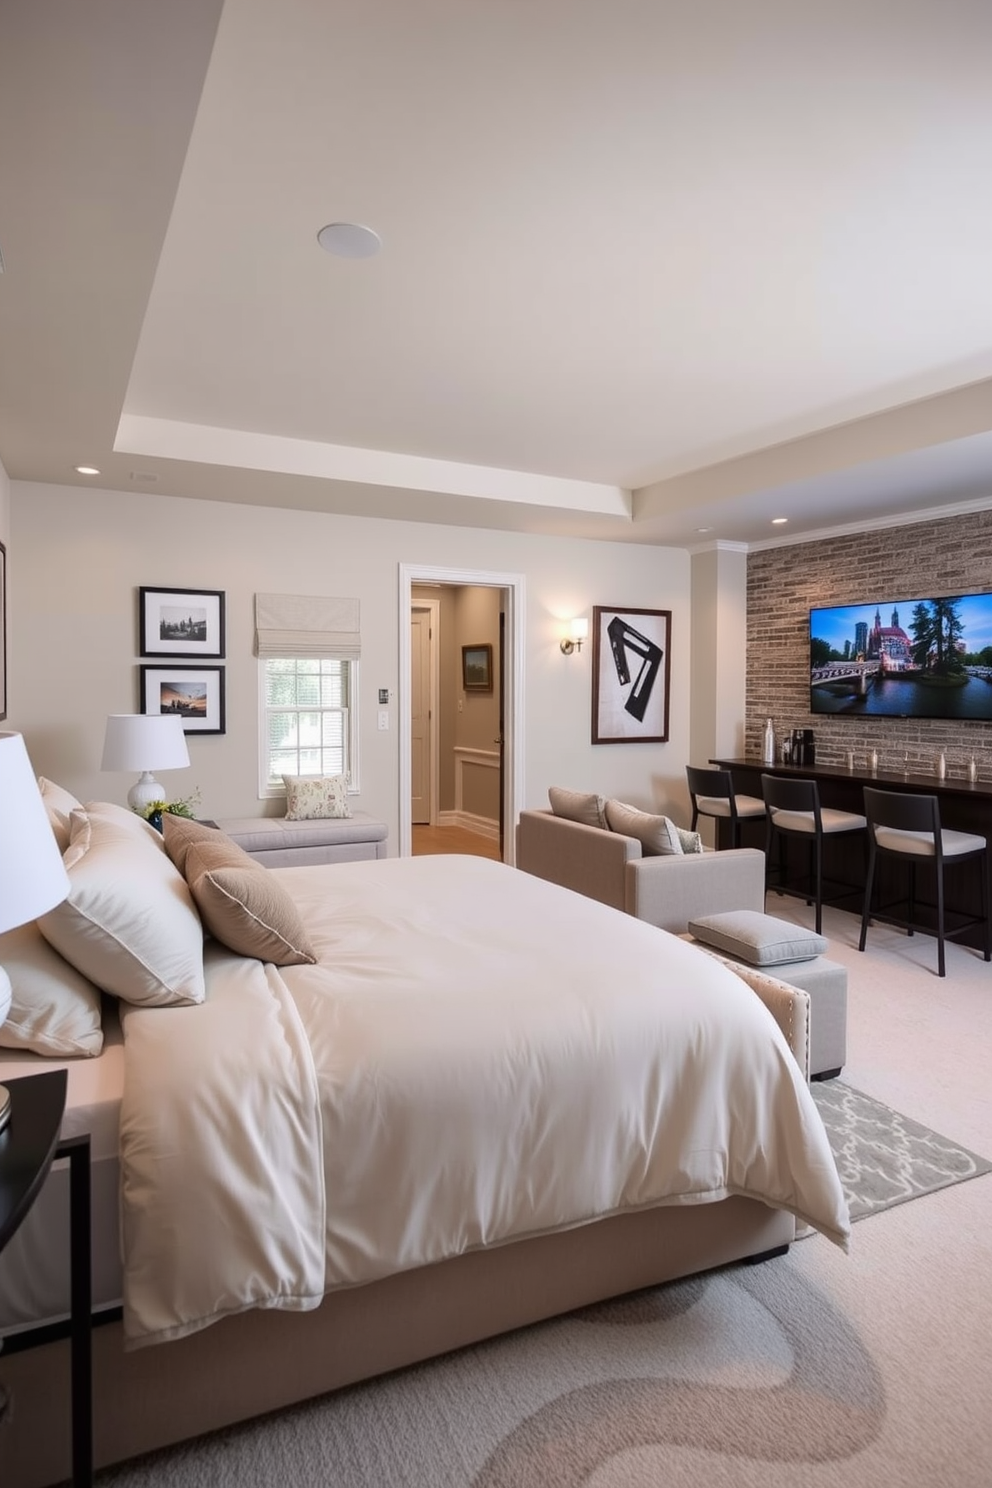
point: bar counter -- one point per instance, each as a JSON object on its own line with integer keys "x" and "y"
{"x": 965, "y": 806}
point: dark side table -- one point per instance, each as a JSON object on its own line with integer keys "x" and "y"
{"x": 29, "y": 1144}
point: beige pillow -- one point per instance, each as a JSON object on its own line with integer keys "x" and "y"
{"x": 59, "y": 804}
{"x": 241, "y": 902}
{"x": 578, "y": 806}
{"x": 657, "y": 835}
{"x": 316, "y": 797}
{"x": 180, "y": 832}
{"x": 54, "y": 1010}
{"x": 129, "y": 923}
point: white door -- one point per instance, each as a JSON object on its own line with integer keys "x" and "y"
{"x": 420, "y": 716}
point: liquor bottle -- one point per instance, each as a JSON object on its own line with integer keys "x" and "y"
{"x": 768, "y": 756}
{"x": 972, "y": 770}
{"x": 873, "y": 762}
{"x": 941, "y": 766}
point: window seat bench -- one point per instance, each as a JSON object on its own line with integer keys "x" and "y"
{"x": 293, "y": 844}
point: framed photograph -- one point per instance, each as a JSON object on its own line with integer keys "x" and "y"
{"x": 630, "y": 672}
{"x": 477, "y": 668}
{"x": 3, "y": 632}
{"x": 196, "y": 693}
{"x": 181, "y": 622}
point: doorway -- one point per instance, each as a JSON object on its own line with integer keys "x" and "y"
{"x": 508, "y": 737}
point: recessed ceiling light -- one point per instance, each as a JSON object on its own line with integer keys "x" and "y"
{"x": 87, "y": 470}
{"x": 778, "y": 521}
{"x": 704, "y": 529}
{"x": 349, "y": 240}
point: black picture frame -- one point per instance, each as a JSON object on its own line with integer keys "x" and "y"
{"x": 477, "y": 668}
{"x": 180, "y": 622}
{"x": 196, "y": 693}
{"x": 631, "y": 664}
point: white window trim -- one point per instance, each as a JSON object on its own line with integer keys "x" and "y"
{"x": 268, "y": 792}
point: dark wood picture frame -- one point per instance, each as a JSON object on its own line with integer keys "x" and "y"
{"x": 196, "y": 693}
{"x": 180, "y": 622}
{"x": 631, "y": 664}
{"x": 477, "y": 668}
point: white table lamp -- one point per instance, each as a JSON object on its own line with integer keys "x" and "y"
{"x": 145, "y": 742}
{"x": 32, "y": 876}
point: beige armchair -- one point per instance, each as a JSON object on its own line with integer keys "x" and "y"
{"x": 667, "y": 891}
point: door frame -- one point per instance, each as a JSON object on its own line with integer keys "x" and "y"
{"x": 433, "y": 606}
{"x": 513, "y": 660}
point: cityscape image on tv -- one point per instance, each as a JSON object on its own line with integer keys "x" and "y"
{"x": 916, "y": 658}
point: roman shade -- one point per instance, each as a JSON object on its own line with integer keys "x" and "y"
{"x": 307, "y": 625}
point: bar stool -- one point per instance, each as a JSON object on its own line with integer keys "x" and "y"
{"x": 908, "y": 827}
{"x": 794, "y": 810}
{"x": 712, "y": 794}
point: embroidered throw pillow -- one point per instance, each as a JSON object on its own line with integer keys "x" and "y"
{"x": 316, "y": 797}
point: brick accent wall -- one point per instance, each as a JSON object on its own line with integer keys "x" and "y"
{"x": 950, "y": 556}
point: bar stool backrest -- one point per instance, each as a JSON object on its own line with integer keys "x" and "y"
{"x": 786, "y": 793}
{"x": 717, "y": 783}
{"x": 902, "y": 812}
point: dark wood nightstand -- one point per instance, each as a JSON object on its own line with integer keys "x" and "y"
{"x": 28, "y": 1146}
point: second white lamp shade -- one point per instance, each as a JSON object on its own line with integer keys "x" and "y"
{"x": 144, "y": 742}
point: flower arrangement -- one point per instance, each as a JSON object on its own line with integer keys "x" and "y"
{"x": 183, "y": 806}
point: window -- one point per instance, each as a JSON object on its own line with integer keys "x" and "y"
{"x": 309, "y": 719}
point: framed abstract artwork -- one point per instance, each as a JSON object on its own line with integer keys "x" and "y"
{"x": 630, "y": 675}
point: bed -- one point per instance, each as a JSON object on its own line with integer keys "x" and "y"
{"x": 442, "y": 1100}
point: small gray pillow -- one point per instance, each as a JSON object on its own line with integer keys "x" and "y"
{"x": 757, "y": 938}
{"x": 578, "y": 806}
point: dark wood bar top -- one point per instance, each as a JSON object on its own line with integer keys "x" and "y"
{"x": 921, "y": 783}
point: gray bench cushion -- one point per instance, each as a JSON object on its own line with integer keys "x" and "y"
{"x": 286, "y": 844}
{"x": 760, "y": 939}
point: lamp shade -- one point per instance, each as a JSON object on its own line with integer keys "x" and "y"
{"x": 144, "y": 741}
{"x": 32, "y": 876}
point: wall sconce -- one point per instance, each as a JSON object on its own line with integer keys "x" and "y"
{"x": 578, "y": 631}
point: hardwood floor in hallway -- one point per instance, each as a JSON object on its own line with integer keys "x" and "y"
{"x": 453, "y": 840}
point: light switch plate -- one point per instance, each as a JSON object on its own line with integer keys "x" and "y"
{"x": 383, "y": 718}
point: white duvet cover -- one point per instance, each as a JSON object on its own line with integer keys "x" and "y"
{"x": 478, "y": 1056}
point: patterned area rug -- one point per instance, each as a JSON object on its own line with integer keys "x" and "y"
{"x": 884, "y": 1158}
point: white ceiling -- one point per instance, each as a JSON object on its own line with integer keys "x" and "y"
{"x": 650, "y": 271}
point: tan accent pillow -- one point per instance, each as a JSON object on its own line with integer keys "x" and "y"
{"x": 578, "y": 806}
{"x": 179, "y": 833}
{"x": 129, "y": 923}
{"x": 54, "y": 1010}
{"x": 657, "y": 835}
{"x": 242, "y": 903}
{"x": 59, "y": 804}
{"x": 316, "y": 797}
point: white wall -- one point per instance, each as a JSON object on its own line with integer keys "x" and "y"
{"x": 78, "y": 558}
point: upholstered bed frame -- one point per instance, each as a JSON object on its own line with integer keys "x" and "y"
{"x": 261, "y": 1361}
{"x": 255, "y": 1362}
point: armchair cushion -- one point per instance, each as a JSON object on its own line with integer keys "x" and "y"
{"x": 656, "y": 834}
{"x": 578, "y": 806}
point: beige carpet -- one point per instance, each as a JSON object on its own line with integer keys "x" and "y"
{"x": 817, "y": 1370}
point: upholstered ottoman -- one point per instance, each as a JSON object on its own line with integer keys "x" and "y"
{"x": 279, "y": 843}
{"x": 793, "y": 955}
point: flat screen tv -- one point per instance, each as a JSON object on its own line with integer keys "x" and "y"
{"x": 903, "y": 658}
